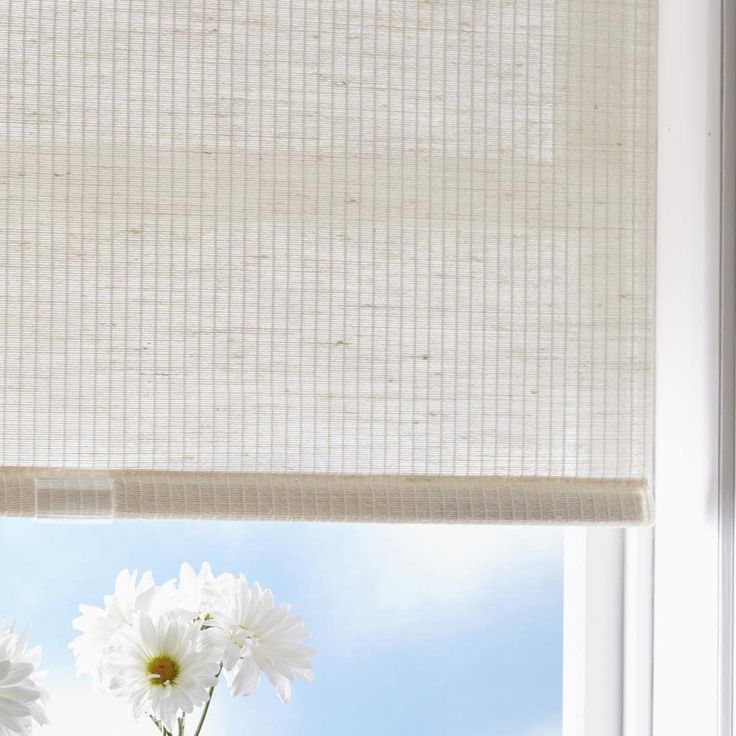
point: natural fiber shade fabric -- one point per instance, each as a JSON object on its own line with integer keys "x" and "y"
{"x": 337, "y": 259}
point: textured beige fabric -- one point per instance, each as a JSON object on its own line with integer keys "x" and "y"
{"x": 341, "y": 260}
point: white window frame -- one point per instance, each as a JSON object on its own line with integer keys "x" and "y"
{"x": 693, "y": 599}
{"x": 649, "y": 613}
{"x": 607, "y": 651}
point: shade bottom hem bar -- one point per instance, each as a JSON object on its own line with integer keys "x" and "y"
{"x": 61, "y": 493}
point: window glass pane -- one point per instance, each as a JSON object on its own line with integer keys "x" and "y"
{"x": 433, "y": 630}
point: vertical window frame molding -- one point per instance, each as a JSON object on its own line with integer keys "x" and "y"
{"x": 727, "y": 468}
{"x": 693, "y": 554}
{"x": 607, "y": 630}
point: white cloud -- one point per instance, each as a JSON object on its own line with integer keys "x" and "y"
{"x": 391, "y": 580}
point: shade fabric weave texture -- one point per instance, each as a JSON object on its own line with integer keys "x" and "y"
{"x": 328, "y": 259}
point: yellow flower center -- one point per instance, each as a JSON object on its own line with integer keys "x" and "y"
{"x": 164, "y": 669}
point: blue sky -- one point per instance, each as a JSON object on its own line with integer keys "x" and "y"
{"x": 432, "y": 630}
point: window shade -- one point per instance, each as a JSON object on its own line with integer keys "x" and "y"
{"x": 335, "y": 259}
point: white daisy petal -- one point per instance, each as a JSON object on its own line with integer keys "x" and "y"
{"x": 244, "y": 679}
{"x": 15, "y": 673}
{"x": 21, "y": 694}
{"x": 195, "y": 593}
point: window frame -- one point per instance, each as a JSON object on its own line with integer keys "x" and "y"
{"x": 693, "y": 593}
{"x": 649, "y": 613}
{"x": 607, "y": 632}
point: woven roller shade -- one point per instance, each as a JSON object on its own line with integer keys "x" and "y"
{"x": 337, "y": 259}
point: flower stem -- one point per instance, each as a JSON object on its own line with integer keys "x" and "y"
{"x": 180, "y": 721}
{"x": 207, "y": 704}
{"x": 160, "y": 727}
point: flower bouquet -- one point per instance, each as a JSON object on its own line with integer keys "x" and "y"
{"x": 165, "y": 648}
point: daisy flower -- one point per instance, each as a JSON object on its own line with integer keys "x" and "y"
{"x": 260, "y": 637}
{"x": 98, "y": 626}
{"x": 165, "y": 668}
{"x": 22, "y": 698}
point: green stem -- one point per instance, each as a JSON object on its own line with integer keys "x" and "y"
{"x": 207, "y": 704}
{"x": 160, "y": 726}
{"x": 180, "y": 721}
